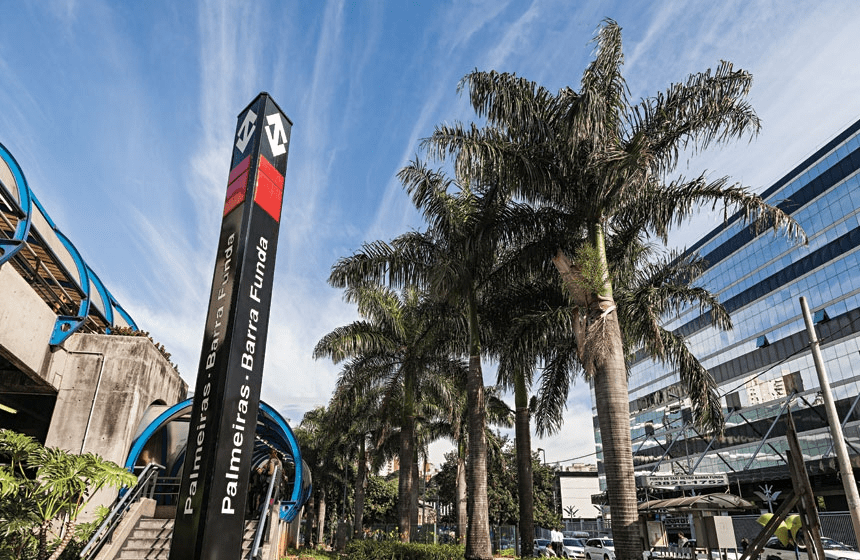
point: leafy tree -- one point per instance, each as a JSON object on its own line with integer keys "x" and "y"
{"x": 381, "y": 503}
{"x": 607, "y": 163}
{"x": 44, "y": 486}
{"x": 545, "y": 499}
{"x": 503, "y": 494}
{"x": 398, "y": 347}
{"x": 452, "y": 259}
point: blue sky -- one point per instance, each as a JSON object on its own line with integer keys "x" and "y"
{"x": 121, "y": 115}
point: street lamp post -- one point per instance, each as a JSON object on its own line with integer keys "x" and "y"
{"x": 541, "y": 450}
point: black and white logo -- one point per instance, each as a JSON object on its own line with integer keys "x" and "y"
{"x": 276, "y": 134}
{"x": 249, "y": 125}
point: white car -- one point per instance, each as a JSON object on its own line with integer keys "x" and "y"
{"x": 543, "y": 548}
{"x": 833, "y": 550}
{"x": 599, "y": 549}
{"x": 573, "y": 548}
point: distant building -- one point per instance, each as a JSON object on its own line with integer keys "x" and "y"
{"x": 759, "y": 392}
{"x": 576, "y": 484}
{"x": 763, "y": 366}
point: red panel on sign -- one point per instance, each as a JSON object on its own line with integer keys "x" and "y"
{"x": 237, "y": 185}
{"x": 269, "y": 193}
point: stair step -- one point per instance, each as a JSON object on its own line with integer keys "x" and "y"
{"x": 151, "y": 538}
{"x": 146, "y": 544}
{"x": 162, "y": 533}
{"x": 149, "y": 523}
{"x": 162, "y": 554}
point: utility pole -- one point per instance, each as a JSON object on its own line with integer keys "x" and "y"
{"x": 839, "y": 446}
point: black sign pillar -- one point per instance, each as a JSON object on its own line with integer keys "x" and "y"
{"x": 212, "y": 494}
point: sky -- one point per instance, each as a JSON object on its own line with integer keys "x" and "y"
{"x": 121, "y": 115}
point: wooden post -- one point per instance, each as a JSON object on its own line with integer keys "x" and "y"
{"x": 807, "y": 507}
{"x": 756, "y": 546}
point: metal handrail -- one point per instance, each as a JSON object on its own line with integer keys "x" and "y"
{"x": 145, "y": 484}
{"x": 264, "y": 512}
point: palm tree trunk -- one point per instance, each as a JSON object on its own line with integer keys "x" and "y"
{"x": 478, "y": 546}
{"x": 407, "y": 452}
{"x": 613, "y": 414}
{"x": 321, "y": 517}
{"x": 361, "y": 477}
{"x": 413, "y": 512}
{"x": 43, "y": 540}
{"x": 525, "y": 483}
{"x": 462, "y": 517}
{"x": 310, "y": 516}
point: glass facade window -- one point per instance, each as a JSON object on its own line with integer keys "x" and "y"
{"x": 759, "y": 279}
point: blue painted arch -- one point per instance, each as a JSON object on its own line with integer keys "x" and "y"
{"x": 271, "y": 430}
{"x": 8, "y": 247}
{"x": 23, "y": 205}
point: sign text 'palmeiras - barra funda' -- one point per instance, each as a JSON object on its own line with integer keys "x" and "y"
{"x": 212, "y": 495}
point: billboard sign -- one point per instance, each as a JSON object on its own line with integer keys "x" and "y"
{"x": 682, "y": 481}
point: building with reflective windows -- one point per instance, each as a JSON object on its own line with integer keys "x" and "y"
{"x": 763, "y": 366}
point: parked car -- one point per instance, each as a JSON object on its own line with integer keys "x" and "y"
{"x": 573, "y": 548}
{"x": 833, "y": 550}
{"x": 543, "y": 548}
{"x": 600, "y": 549}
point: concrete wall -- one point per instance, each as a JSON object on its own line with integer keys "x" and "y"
{"x": 26, "y": 323}
{"x": 105, "y": 384}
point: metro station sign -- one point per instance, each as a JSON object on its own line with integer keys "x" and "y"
{"x": 213, "y": 490}
{"x": 682, "y": 481}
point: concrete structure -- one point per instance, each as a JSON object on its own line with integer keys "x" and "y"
{"x": 63, "y": 379}
{"x": 763, "y": 366}
{"x": 85, "y": 395}
{"x": 105, "y": 384}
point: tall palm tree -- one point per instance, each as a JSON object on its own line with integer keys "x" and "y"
{"x": 453, "y": 258}
{"x": 530, "y": 320}
{"x": 363, "y": 422}
{"x": 397, "y": 346}
{"x": 608, "y": 163}
{"x": 315, "y": 443}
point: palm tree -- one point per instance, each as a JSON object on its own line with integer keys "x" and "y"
{"x": 607, "y": 163}
{"x": 397, "y": 346}
{"x": 453, "y": 258}
{"x": 530, "y": 322}
{"x": 362, "y": 421}
{"x": 311, "y": 440}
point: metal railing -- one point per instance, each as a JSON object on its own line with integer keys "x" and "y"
{"x": 145, "y": 487}
{"x": 270, "y": 498}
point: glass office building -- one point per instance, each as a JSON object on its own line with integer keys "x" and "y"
{"x": 763, "y": 366}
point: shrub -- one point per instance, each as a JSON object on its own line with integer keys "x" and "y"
{"x": 394, "y": 550}
{"x": 119, "y": 330}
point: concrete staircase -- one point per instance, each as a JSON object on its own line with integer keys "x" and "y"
{"x": 150, "y": 540}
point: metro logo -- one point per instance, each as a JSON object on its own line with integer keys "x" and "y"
{"x": 246, "y": 131}
{"x": 276, "y": 134}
